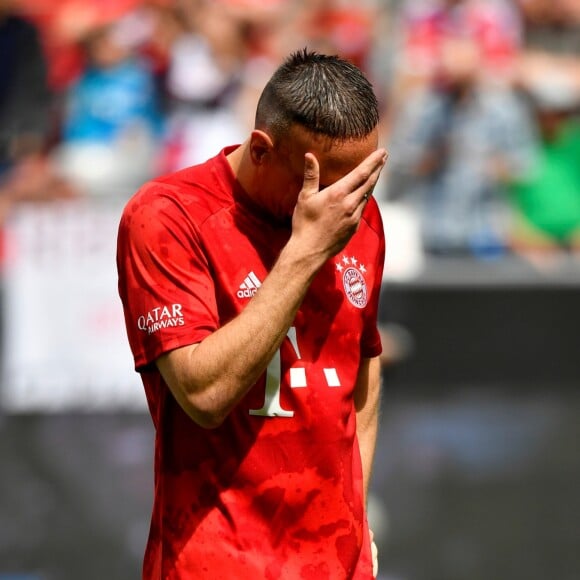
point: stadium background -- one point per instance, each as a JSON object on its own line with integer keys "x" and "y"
{"x": 477, "y": 469}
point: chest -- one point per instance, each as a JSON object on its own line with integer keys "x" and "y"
{"x": 242, "y": 251}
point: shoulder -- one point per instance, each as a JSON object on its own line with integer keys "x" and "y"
{"x": 193, "y": 193}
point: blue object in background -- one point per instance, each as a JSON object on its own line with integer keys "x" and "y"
{"x": 106, "y": 102}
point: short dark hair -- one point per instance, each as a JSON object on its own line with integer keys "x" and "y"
{"x": 324, "y": 94}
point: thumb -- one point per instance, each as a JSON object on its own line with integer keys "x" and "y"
{"x": 311, "y": 174}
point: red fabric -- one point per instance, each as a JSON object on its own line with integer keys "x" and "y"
{"x": 348, "y": 29}
{"x": 260, "y": 496}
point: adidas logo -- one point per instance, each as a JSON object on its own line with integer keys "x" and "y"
{"x": 249, "y": 286}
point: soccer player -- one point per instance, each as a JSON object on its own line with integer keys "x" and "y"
{"x": 250, "y": 285}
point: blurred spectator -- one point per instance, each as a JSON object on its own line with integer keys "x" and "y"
{"x": 203, "y": 80}
{"x": 551, "y": 26}
{"x": 341, "y": 27}
{"x": 112, "y": 122}
{"x": 425, "y": 25}
{"x": 26, "y": 109}
{"x": 547, "y": 198}
{"x": 453, "y": 145}
{"x": 25, "y": 99}
{"x": 227, "y": 49}
{"x": 551, "y": 43}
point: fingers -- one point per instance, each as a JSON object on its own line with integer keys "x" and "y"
{"x": 360, "y": 181}
{"x": 311, "y": 174}
{"x": 330, "y": 216}
{"x": 358, "y": 185}
{"x": 354, "y": 188}
{"x": 361, "y": 195}
{"x": 374, "y": 554}
{"x": 363, "y": 177}
{"x": 367, "y": 186}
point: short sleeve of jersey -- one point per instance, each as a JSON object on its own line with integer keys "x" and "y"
{"x": 164, "y": 279}
{"x": 370, "y": 339}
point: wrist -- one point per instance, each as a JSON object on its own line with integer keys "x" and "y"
{"x": 301, "y": 257}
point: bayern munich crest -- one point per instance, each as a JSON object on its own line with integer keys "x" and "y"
{"x": 353, "y": 280}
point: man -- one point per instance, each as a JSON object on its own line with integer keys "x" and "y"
{"x": 250, "y": 286}
{"x": 455, "y": 145}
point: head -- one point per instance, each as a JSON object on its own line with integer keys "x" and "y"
{"x": 460, "y": 63}
{"x": 555, "y": 99}
{"x": 313, "y": 103}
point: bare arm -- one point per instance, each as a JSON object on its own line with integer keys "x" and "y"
{"x": 367, "y": 402}
{"x": 209, "y": 378}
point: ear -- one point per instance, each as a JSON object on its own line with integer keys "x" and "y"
{"x": 261, "y": 146}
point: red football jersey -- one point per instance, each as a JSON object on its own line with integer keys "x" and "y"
{"x": 276, "y": 490}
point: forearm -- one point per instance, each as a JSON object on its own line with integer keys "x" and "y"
{"x": 367, "y": 402}
{"x": 210, "y": 378}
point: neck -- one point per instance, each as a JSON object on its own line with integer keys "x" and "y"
{"x": 238, "y": 162}
{"x": 241, "y": 165}
{"x": 243, "y": 171}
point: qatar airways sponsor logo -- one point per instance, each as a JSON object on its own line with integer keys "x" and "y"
{"x": 161, "y": 317}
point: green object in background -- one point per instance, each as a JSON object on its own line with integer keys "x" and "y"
{"x": 549, "y": 198}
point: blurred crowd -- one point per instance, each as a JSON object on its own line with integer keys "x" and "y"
{"x": 480, "y": 99}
